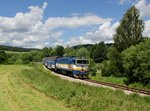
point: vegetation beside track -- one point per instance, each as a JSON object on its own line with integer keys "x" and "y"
{"x": 118, "y": 80}
{"x": 82, "y": 97}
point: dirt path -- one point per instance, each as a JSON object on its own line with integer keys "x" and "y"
{"x": 15, "y": 95}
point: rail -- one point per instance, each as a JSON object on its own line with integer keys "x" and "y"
{"x": 136, "y": 90}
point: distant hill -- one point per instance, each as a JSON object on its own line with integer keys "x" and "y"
{"x": 17, "y": 49}
{"x": 89, "y": 45}
{"x": 82, "y": 46}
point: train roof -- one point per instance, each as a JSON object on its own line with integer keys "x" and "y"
{"x": 61, "y": 58}
{"x": 71, "y": 57}
{"x": 52, "y": 57}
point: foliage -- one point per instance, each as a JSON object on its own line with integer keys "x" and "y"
{"x": 127, "y": 34}
{"x": 13, "y": 58}
{"x": 2, "y": 56}
{"x": 37, "y": 56}
{"x": 92, "y": 67}
{"x": 98, "y": 52}
{"x": 114, "y": 65}
{"x": 69, "y": 51}
{"x": 46, "y": 51}
{"x": 26, "y": 58}
{"x": 83, "y": 53}
{"x": 130, "y": 30}
{"x": 106, "y": 68}
{"x": 115, "y": 62}
{"x": 59, "y": 50}
{"x": 136, "y": 61}
{"x": 17, "y": 49}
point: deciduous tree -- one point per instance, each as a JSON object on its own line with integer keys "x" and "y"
{"x": 130, "y": 30}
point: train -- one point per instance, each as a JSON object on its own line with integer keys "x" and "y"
{"x": 71, "y": 66}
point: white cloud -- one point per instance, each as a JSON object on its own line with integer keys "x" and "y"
{"x": 30, "y": 30}
{"x": 75, "y": 21}
{"x": 146, "y": 32}
{"x": 122, "y": 2}
{"x": 103, "y": 33}
{"x": 144, "y": 8}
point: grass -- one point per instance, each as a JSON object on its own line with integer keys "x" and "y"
{"x": 117, "y": 80}
{"x": 16, "y": 95}
{"x": 31, "y": 87}
{"x": 82, "y": 97}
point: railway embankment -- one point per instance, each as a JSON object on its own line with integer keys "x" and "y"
{"x": 83, "y": 97}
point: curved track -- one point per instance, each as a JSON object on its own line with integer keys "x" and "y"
{"x": 117, "y": 86}
{"x": 126, "y": 89}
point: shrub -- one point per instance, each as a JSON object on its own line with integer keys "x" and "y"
{"x": 105, "y": 68}
{"x": 92, "y": 67}
{"x": 114, "y": 65}
{"x": 136, "y": 61}
{"x": 2, "y": 56}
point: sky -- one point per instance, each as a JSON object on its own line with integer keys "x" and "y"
{"x": 48, "y": 23}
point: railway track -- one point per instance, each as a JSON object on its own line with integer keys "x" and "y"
{"x": 117, "y": 86}
{"x": 142, "y": 92}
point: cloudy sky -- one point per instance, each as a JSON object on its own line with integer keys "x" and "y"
{"x": 45, "y": 23}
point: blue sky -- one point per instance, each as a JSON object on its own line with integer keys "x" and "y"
{"x": 40, "y": 23}
{"x": 60, "y": 8}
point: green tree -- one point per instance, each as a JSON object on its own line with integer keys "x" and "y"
{"x": 59, "y": 51}
{"x": 46, "y": 51}
{"x": 136, "y": 61}
{"x": 130, "y": 30}
{"x": 3, "y": 56}
{"x": 69, "y": 51}
{"x": 83, "y": 52}
{"x": 26, "y": 58}
{"x": 37, "y": 55}
{"x": 99, "y": 52}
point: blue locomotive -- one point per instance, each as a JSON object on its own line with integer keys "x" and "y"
{"x": 72, "y": 66}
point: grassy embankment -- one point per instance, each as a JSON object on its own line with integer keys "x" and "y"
{"x": 16, "y": 95}
{"x": 82, "y": 97}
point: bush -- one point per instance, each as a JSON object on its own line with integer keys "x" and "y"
{"x": 136, "y": 61}
{"x": 2, "y": 56}
{"x": 105, "y": 68}
{"x": 92, "y": 67}
{"x": 108, "y": 68}
{"x": 114, "y": 65}
{"x": 26, "y": 58}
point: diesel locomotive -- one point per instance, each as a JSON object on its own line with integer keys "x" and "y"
{"x": 72, "y": 66}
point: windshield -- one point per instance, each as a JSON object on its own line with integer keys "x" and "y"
{"x": 82, "y": 61}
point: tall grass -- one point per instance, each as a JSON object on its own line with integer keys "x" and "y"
{"x": 82, "y": 97}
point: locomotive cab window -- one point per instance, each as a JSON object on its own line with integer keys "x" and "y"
{"x": 82, "y": 61}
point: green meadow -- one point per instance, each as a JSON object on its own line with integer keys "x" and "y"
{"x": 31, "y": 87}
